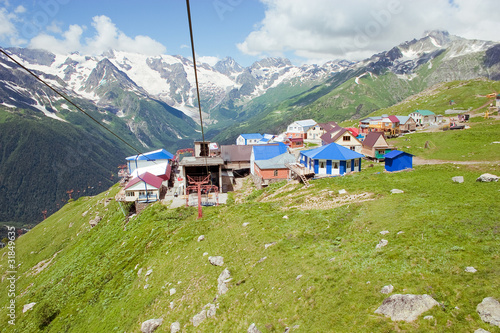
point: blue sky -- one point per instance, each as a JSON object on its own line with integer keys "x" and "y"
{"x": 305, "y": 31}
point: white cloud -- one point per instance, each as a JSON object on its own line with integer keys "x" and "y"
{"x": 7, "y": 28}
{"x": 70, "y": 43}
{"x": 331, "y": 29}
{"x": 207, "y": 60}
{"x": 20, "y": 9}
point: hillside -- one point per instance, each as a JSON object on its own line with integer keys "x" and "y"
{"x": 305, "y": 259}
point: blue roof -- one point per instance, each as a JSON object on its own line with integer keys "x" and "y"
{"x": 251, "y": 136}
{"x": 265, "y": 152}
{"x": 160, "y": 154}
{"x": 331, "y": 151}
{"x": 395, "y": 153}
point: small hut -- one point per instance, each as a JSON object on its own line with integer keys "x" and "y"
{"x": 398, "y": 160}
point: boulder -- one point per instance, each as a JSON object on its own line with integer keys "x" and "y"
{"x": 175, "y": 327}
{"x": 395, "y": 191}
{"x": 216, "y": 261}
{"x": 95, "y": 221}
{"x": 480, "y": 330}
{"x": 406, "y": 307}
{"x": 489, "y": 311}
{"x": 470, "y": 269}
{"x": 487, "y": 177}
{"x": 172, "y": 291}
{"x": 253, "y": 329}
{"x": 199, "y": 318}
{"x": 211, "y": 309}
{"x": 458, "y": 179}
{"x": 382, "y": 243}
{"x": 384, "y": 232}
{"x": 245, "y": 224}
{"x": 28, "y": 307}
{"x": 201, "y": 238}
{"x": 222, "y": 281}
{"x": 151, "y": 325}
{"x": 387, "y": 289}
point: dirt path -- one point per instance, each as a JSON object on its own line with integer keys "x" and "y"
{"x": 421, "y": 161}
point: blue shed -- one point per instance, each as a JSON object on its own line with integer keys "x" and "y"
{"x": 398, "y": 160}
{"x": 332, "y": 159}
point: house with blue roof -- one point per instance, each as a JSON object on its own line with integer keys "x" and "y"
{"x": 265, "y": 152}
{"x": 332, "y": 159}
{"x": 249, "y": 139}
{"x": 397, "y": 160}
{"x": 148, "y": 159}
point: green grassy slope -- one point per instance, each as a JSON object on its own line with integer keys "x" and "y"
{"x": 96, "y": 279}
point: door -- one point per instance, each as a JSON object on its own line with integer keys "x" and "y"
{"x": 335, "y": 168}
{"x": 322, "y": 167}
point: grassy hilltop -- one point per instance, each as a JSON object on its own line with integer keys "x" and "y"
{"x": 306, "y": 259}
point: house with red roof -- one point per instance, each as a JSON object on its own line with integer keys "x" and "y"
{"x": 344, "y": 137}
{"x": 375, "y": 145}
{"x": 144, "y": 188}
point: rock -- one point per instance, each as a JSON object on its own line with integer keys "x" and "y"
{"x": 400, "y": 232}
{"x": 253, "y": 329}
{"x": 406, "y": 307}
{"x": 387, "y": 289}
{"x": 429, "y": 317}
{"x": 172, "y": 291}
{"x": 28, "y": 307}
{"x": 285, "y": 217}
{"x": 269, "y": 244}
{"x": 139, "y": 271}
{"x": 201, "y": 238}
{"x": 480, "y": 330}
{"x": 172, "y": 305}
{"x": 458, "y": 179}
{"x": 470, "y": 269}
{"x": 84, "y": 213}
{"x": 342, "y": 191}
{"x": 95, "y": 221}
{"x": 175, "y": 327}
{"x": 205, "y": 253}
{"x": 222, "y": 281}
{"x": 298, "y": 277}
{"x": 149, "y": 272}
{"x": 216, "y": 261}
{"x": 382, "y": 243}
{"x": 211, "y": 309}
{"x": 146, "y": 286}
{"x": 199, "y": 318}
{"x": 395, "y": 191}
{"x": 489, "y": 311}
{"x": 245, "y": 224}
{"x": 487, "y": 177}
{"x": 151, "y": 325}
{"x": 385, "y": 232}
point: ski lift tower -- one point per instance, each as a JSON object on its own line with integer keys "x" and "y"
{"x": 200, "y": 183}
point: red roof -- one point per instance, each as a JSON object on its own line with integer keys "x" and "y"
{"x": 147, "y": 177}
{"x": 353, "y": 130}
{"x": 394, "y": 119}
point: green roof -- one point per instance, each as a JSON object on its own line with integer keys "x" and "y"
{"x": 425, "y": 112}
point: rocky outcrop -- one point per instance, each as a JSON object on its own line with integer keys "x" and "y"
{"x": 406, "y": 307}
{"x": 151, "y": 325}
{"x": 489, "y": 311}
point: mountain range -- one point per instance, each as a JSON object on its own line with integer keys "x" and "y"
{"x": 151, "y": 103}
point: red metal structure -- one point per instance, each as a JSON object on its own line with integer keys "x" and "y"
{"x": 198, "y": 184}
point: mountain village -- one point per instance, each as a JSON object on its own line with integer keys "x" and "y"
{"x": 306, "y": 150}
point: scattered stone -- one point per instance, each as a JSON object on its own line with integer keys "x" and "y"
{"x": 458, "y": 179}
{"x": 285, "y": 217}
{"x": 95, "y": 221}
{"x": 406, "y": 307}
{"x": 175, "y": 327}
{"x": 400, "y": 232}
{"x": 85, "y": 213}
{"x": 429, "y": 317}
{"x": 222, "y": 281}
{"x": 139, "y": 271}
{"x": 149, "y": 272}
{"x": 28, "y": 307}
{"x": 211, "y": 309}
{"x": 269, "y": 244}
{"x": 395, "y": 191}
{"x": 201, "y": 238}
{"x": 261, "y": 260}
{"x": 298, "y": 277}
{"x": 470, "y": 269}
{"x": 342, "y": 191}
{"x": 480, "y": 330}
{"x": 172, "y": 305}
{"x": 387, "y": 289}
{"x": 245, "y": 224}
{"x": 146, "y": 286}
{"x": 205, "y": 253}
{"x": 172, "y": 291}
{"x": 489, "y": 311}
{"x": 253, "y": 329}
{"x": 199, "y": 318}
{"x": 487, "y": 177}
{"x": 385, "y": 232}
{"x": 151, "y": 325}
{"x": 382, "y": 243}
{"x": 216, "y": 261}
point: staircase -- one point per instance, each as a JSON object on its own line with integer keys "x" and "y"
{"x": 300, "y": 171}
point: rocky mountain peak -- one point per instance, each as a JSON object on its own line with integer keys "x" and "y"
{"x": 228, "y": 66}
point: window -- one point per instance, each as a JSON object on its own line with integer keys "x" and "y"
{"x": 348, "y": 166}
{"x": 275, "y": 173}
{"x": 335, "y": 165}
{"x": 346, "y": 138}
{"x": 353, "y": 148}
{"x": 356, "y": 163}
